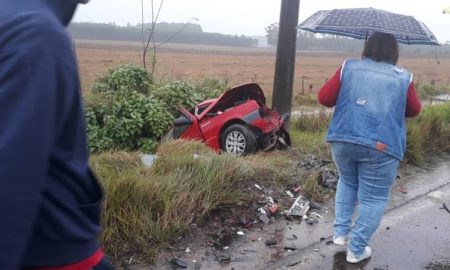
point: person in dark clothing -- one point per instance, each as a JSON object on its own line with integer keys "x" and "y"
{"x": 50, "y": 202}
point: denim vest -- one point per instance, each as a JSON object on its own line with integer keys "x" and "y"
{"x": 370, "y": 109}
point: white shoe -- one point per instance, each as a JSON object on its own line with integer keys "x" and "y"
{"x": 352, "y": 258}
{"x": 340, "y": 240}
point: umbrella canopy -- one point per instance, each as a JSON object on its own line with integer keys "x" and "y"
{"x": 362, "y": 22}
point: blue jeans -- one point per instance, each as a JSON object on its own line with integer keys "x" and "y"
{"x": 365, "y": 177}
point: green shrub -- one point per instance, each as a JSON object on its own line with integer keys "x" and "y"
{"x": 177, "y": 94}
{"x": 124, "y": 78}
{"x": 125, "y": 120}
{"x": 211, "y": 88}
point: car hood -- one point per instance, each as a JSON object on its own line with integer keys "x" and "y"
{"x": 232, "y": 97}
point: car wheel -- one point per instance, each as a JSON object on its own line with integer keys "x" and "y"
{"x": 238, "y": 140}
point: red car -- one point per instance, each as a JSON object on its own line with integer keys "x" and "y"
{"x": 237, "y": 122}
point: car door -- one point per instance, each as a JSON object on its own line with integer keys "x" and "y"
{"x": 186, "y": 126}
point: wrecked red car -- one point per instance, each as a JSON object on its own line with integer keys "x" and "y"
{"x": 237, "y": 122}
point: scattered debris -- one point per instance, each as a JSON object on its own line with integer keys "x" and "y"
{"x": 330, "y": 242}
{"x": 328, "y": 179}
{"x": 187, "y": 250}
{"x": 223, "y": 256}
{"x": 315, "y": 206}
{"x": 402, "y": 190}
{"x": 315, "y": 214}
{"x": 300, "y": 207}
{"x": 148, "y": 160}
{"x": 177, "y": 263}
{"x": 240, "y": 233}
{"x": 289, "y": 193}
{"x": 311, "y": 221}
{"x": 273, "y": 209}
{"x": 446, "y": 205}
{"x": 271, "y": 242}
{"x": 314, "y": 162}
{"x": 296, "y": 189}
{"x": 264, "y": 218}
{"x": 290, "y": 248}
{"x": 292, "y": 237}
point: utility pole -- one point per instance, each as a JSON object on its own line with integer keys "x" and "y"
{"x": 285, "y": 61}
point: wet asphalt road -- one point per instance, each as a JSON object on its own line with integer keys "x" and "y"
{"x": 413, "y": 235}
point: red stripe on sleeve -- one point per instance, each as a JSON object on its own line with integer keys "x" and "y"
{"x": 413, "y": 105}
{"x": 86, "y": 264}
{"x": 329, "y": 92}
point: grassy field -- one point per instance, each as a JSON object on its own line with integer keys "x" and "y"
{"x": 238, "y": 65}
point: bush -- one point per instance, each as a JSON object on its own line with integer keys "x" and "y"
{"x": 125, "y": 120}
{"x": 124, "y": 78}
{"x": 177, "y": 94}
{"x": 211, "y": 88}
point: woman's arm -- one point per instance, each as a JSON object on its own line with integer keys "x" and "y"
{"x": 329, "y": 92}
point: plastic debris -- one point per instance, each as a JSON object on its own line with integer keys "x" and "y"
{"x": 148, "y": 160}
{"x": 446, "y": 205}
{"x": 299, "y": 208}
{"x": 258, "y": 187}
{"x": 223, "y": 256}
{"x": 315, "y": 205}
{"x": 177, "y": 263}
{"x": 289, "y": 193}
{"x": 402, "y": 190}
{"x": 328, "y": 179}
{"x": 240, "y": 233}
{"x": 273, "y": 209}
{"x": 187, "y": 250}
{"x": 264, "y": 218}
{"x": 311, "y": 221}
{"x": 290, "y": 248}
{"x": 271, "y": 242}
{"x": 296, "y": 189}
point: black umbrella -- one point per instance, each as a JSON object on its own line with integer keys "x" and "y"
{"x": 360, "y": 23}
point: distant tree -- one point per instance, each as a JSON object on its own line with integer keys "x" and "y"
{"x": 272, "y": 34}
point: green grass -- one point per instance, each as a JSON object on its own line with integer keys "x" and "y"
{"x": 428, "y": 134}
{"x": 146, "y": 208}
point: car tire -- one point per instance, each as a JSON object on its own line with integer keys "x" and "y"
{"x": 238, "y": 140}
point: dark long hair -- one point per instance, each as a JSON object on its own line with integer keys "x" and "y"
{"x": 381, "y": 47}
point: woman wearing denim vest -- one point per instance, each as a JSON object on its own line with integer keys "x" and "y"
{"x": 372, "y": 96}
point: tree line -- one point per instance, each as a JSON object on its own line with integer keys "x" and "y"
{"x": 317, "y": 42}
{"x": 189, "y": 33}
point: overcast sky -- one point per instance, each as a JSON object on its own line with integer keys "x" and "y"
{"x": 250, "y": 17}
